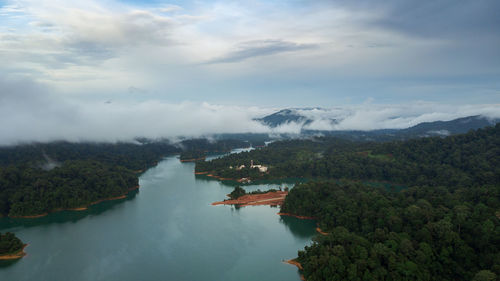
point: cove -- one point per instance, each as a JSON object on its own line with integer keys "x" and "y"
{"x": 167, "y": 230}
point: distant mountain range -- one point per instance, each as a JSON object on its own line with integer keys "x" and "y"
{"x": 306, "y": 116}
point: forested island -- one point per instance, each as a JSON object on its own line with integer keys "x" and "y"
{"x": 11, "y": 247}
{"x": 443, "y": 225}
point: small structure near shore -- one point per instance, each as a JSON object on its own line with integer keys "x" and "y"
{"x": 261, "y": 168}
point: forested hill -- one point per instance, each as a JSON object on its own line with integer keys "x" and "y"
{"x": 422, "y": 233}
{"x": 43, "y": 177}
{"x": 28, "y": 191}
{"x": 445, "y": 226}
{"x": 135, "y": 156}
{"x": 468, "y": 159}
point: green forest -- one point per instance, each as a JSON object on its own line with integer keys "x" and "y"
{"x": 421, "y": 233}
{"x": 444, "y": 224}
{"x": 26, "y": 191}
{"x": 9, "y": 244}
{"x": 43, "y": 177}
{"x": 455, "y": 160}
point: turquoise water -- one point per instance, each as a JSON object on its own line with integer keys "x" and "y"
{"x": 165, "y": 231}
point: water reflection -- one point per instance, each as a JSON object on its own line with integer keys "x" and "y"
{"x": 6, "y": 263}
{"x": 299, "y": 227}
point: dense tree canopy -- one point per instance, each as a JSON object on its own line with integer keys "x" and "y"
{"x": 470, "y": 159}
{"x": 39, "y": 178}
{"x": 422, "y": 233}
{"x": 443, "y": 226}
{"x": 31, "y": 191}
{"x": 9, "y": 244}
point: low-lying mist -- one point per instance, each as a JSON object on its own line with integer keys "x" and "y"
{"x": 30, "y": 113}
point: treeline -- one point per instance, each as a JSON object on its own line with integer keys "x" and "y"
{"x": 134, "y": 156}
{"x": 239, "y": 191}
{"x": 274, "y": 155}
{"x": 9, "y": 244}
{"x": 422, "y": 233}
{"x": 43, "y": 177}
{"x": 456, "y": 160}
{"x": 26, "y": 191}
{"x": 130, "y": 155}
{"x": 194, "y": 149}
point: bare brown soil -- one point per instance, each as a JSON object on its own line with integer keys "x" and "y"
{"x": 296, "y": 216}
{"x": 19, "y": 254}
{"x": 193, "y": 159}
{"x": 269, "y": 198}
{"x": 298, "y": 265}
{"x": 321, "y": 231}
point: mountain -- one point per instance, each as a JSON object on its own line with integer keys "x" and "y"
{"x": 304, "y": 117}
{"x": 283, "y": 117}
{"x": 452, "y": 127}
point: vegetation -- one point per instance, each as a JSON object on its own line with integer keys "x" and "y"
{"x": 26, "y": 191}
{"x": 129, "y": 155}
{"x": 192, "y": 155}
{"x": 456, "y": 160}
{"x": 9, "y": 244}
{"x": 422, "y": 233}
{"x": 39, "y": 178}
{"x": 237, "y": 193}
{"x": 443, "y": 226}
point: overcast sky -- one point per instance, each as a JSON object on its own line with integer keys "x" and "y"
{"x": 70, "y": 68}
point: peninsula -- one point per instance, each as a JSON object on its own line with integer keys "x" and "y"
{"x": 240, "y": 198}
{"x": 11, "y": 247}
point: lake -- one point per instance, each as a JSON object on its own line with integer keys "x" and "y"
{"x": 167, "y": 230}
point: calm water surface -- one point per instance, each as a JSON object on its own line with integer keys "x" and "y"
{"x": 166, "y": 231}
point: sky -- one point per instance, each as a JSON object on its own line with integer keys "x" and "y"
{"x": 112, "y": 69}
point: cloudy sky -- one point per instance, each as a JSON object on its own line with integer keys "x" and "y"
{"x": 104, "y": 69}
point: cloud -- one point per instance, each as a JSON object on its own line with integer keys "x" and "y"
{"x": 30, "y": 111}
{"x": 258, "y": 48}
{"x": 256, "y": 52}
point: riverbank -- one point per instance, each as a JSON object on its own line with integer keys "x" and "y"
{"x": 298, "y": 265}
{"x": 318, "y": 229}
{"x": 82, "y": 208}
{"x": 193, "y": 159}
{"x": 269, "y": 198}
{"x": 214, "y": 176}
{"x": 17, "y": 255}
{"x": 296, "y": 216}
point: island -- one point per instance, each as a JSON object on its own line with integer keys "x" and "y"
{"x": 11, "y": 247}
{"x": 240, "y": 198}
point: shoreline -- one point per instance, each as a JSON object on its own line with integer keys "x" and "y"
{"x": 17, "y": 255}
{"x": 298, "y": 265}
{"x": 320, "y": 231}
{"x": 272, "y": 198}
{"x": 296, "y": 216}
{"x": 82, "y": 208}
{"x": 242, "y": 180}
{"x": 192, "y": 159}
{"x": 219, "y": 178}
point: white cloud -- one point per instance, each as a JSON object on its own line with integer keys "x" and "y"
{"x": 30, "y": 111}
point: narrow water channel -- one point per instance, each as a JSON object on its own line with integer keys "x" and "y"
{"x": 166, "y": 231}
